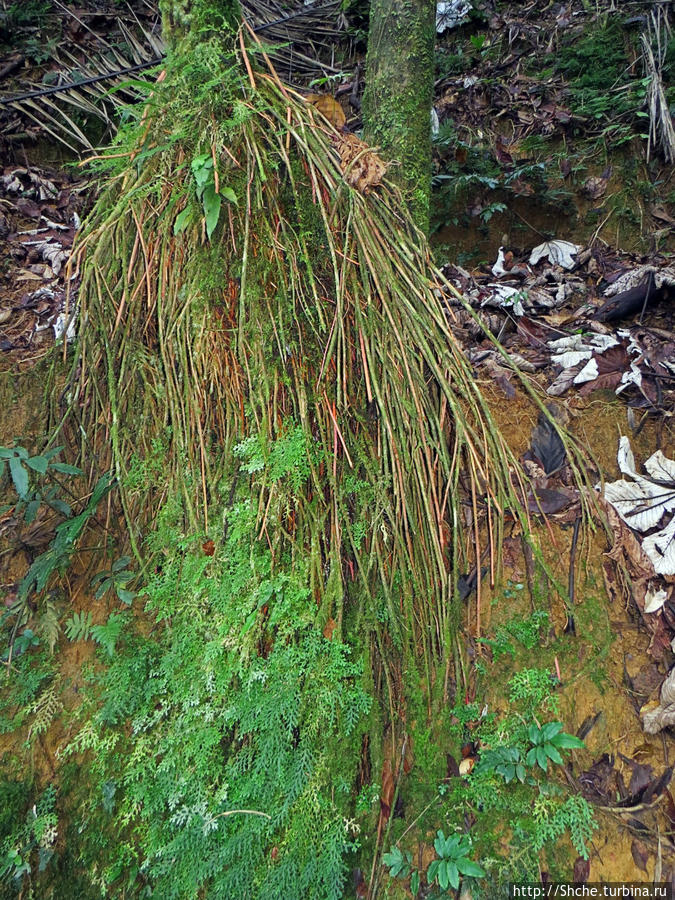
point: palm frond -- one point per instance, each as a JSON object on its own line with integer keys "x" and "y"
{"x": 302, "y": 40}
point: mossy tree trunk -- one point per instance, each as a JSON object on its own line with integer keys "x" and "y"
{"x": 399, "y": 91}
{"x": 189, "y": 19}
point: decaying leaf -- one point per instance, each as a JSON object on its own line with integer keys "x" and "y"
{"x": 560, "y": 253}
{"x": 546, "y": 445}
{"x": 362, "y": 167}
{"x": 387, "y": 791}
{"x": 633, "y": 278}
{"x": 640, "y": 854}
{"x": 450, "y": 13}
{"x": 654, "y": 599}
{"x": 329, "y": 108}
{"x": 582, "y": 869}
{"x": 657, "y": 716}
{"x": 644, "y": 502}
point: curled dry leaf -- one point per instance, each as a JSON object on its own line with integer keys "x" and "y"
{"x": 362, "y": 167}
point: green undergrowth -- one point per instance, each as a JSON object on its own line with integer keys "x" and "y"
{"x": 510, "y": 802}
{"x": 220, "y": 747}
{"x": 227, "y": 741}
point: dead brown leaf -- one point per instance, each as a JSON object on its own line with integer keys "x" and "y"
{"x": 362, "y": 167}
{"x": 329, "y": 108}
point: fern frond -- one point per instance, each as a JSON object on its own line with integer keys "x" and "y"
{"x": 47, "y": 706}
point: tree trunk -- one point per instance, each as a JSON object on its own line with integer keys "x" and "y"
{"x": 189, "y": 19}
{"x": 399, "y": 91}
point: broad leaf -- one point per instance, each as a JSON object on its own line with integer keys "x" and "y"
{"x": 212, "y": 203}
{"x": 182, "y": 220}
{"x": 567, "y": 742}
{"x": 19, "y": 477}
{"x": 550, "y": 730}
{"x": 38, "y": 464}
{"x": 468, "y": 867}
{"x": 553, "y": 754}
{"x": 66, "y": 469}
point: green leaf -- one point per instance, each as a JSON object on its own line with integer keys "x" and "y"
{"x": 530, "y": 759}
{"x": 103, "y": 588}
{"x": 19, "y": 477}
{"x": 443, "y": 875}
{"x": 452, "y": 874}
{"x": 432, "y": 871}
{"x": 38, "y": 464}
{"x": 567, "y": 742}
{"x": 439, "y": 843}
{"x": 393, "y": 858}
{"x": 533, "y": 734}
{"x": 65, "y": 469}
{"x": 212, "y": 202}
{"x": 107, "y": 635}
{"x": 182, "y": 220}
{"x": 31, "y": 511}
{"x": 121, "y": 563}
{"x": 415, "y": 883}
{"x": 60, "y": 506}
{"x": 6, "y": 453}
{"x": 229, "y": 194}
{"x": 550, "y": 730}
{"x": 125, "y": 596}
{"x": 542, "y": 759}
{"x": 468, "y": 867}
{"x": 552, "y": 753}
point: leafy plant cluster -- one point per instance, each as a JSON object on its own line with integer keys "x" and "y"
{"x": 603, "y": 86}
{"x": 510, "y": 796}
{"x": 469, "y": 175}
{"x": 227, "y": 741}
{"x": 525, "y": 631}
{"x": 45, "y": 502}
{"x": 27, "y": 838}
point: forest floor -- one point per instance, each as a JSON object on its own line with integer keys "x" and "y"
{"x": 555, "y": 218}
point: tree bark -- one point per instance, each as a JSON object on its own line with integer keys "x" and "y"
{"x": 399, "y": 92}
{"x": 192, "y": 19}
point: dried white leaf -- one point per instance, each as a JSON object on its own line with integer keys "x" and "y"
{"x": 571, "y": 358}
{"x": 625, "y": 457}
{"x": 507, "y": 297}
{"x": 498, "y": 268}
{"x": 661, "y": 468}
{"x": 632, "y": 376}
{"x": 660, "y": 548}
{"x": 635, "y": 503}
{"x": 560, "y": 253}
{"x": 643, "y": 502}
{"x": 450, "y": 13}
{"x": 588, "y": 373}
{"x": 655, "y": 718}
{"x": 654, "y": 599}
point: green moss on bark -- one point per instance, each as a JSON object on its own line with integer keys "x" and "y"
{"x": 193, "y": 20}
{"x": 399, "y": 90}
